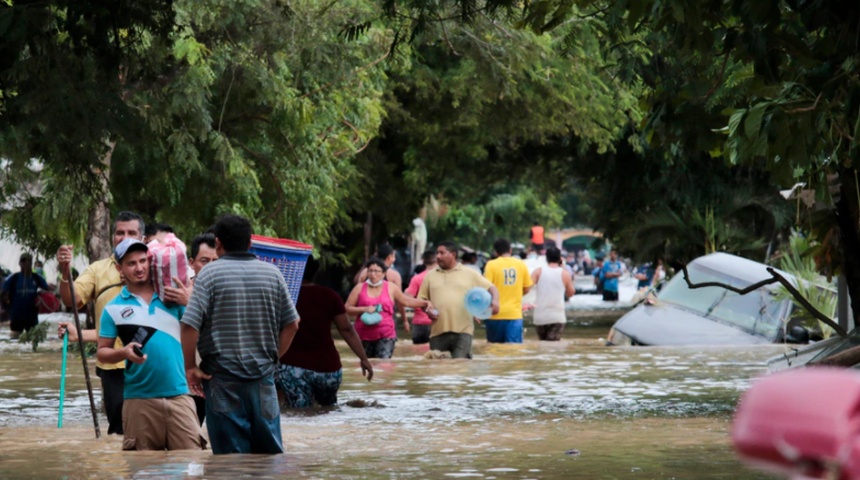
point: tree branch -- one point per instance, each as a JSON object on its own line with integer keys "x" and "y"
{"x": 329, "y": 84}
{"x": 776, "y": 278}
{"x": 845, "y": 358}
{"x": 719, "y": 80}
{"x": 227, "y": 97}
{"x": 806, "y": 109}
{"x": 357, "y": 137}
{"x": 276, "y": 181}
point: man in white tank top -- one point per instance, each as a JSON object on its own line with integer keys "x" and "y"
{"x": 552, "y": 284}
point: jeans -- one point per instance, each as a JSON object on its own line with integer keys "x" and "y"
{"x": 459, "y": 344}
{"x": 243, "y": 416}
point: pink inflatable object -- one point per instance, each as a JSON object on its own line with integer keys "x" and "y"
{"x": 802, "y": 423}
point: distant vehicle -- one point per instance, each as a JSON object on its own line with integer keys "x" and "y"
{"x": 712, "y": 315}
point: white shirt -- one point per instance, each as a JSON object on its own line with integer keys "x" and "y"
{"x": 549, "y": 290}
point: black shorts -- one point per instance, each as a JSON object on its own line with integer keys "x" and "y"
{"x": 551, "y": 332}
{"x": 610, "y": 296}
{"x": 420, "y": 334}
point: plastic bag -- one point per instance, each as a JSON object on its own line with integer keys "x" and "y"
{"x": 168, "y": 259}
{"x": 374, "y": 318}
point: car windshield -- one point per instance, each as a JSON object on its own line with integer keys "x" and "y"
{"x": 756, "y": 312}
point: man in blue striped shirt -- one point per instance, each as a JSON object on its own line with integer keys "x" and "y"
{"x": 242, "y": 320}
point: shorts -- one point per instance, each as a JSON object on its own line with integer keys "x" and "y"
{"x": 504, "y": 331}
{"x": 550, "y": 332}
{"x": 382, "y": 348}
{"x": 420, "y": 334}
{"x": 610, "y": 296}
{"x": 161, "y": 424}
{"x": 302, "y": 387}
{"x": 22, "y": 323}
{"x": 459, "y": 344}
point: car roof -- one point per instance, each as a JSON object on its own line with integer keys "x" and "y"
{"x": 741, "y": 268}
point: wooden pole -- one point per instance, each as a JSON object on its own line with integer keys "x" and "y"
{"x": 84, "y": 358}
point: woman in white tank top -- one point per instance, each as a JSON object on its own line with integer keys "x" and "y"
{"x": 552, "y": 283}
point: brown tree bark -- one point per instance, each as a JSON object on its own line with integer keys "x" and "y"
{"x": 99, "y": 236}
{"x": 368, "y": 231}
{"x": 848, "y": 219}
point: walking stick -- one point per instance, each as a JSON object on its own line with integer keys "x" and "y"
{"x": 84, "y": 358}
{"x": 63, "y": 379}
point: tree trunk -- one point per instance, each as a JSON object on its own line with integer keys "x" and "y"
{"x": 99, "y": 235}
{"x": 368, "y": 230}
{"x": 848, "y": 215}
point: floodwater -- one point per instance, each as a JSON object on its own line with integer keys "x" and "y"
{"x": 570, "y": 409}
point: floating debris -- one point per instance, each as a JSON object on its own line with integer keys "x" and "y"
{"x": 572, "y": 452}
{"x": 359, "y": 403}
{"x": 436, "y": 354}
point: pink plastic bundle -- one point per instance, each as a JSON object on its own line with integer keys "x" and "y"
{"x": 804, "y": 424}
{"x": 168, "y": 260}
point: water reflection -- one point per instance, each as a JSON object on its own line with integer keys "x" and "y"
{"x": 512, "y": 412}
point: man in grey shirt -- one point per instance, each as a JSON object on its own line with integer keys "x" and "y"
{"x": 242, "y": 320}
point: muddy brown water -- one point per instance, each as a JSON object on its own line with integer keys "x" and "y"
{"x": 571, "y": 409}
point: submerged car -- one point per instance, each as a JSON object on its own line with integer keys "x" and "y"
{"x": 819, "y": 351}
{"x": 711, "y": 315}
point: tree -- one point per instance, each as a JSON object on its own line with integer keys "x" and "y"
{"x": 505, "y": 212}
{"x": 249, "y": 107}
{"x": 483, "y": 108}
{"x": 777, "y": 80}
{"x": 269, "y": 108}
{"x": 62, "y": 82}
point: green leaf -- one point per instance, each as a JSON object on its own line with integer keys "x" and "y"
{"x": 752, "y": 124}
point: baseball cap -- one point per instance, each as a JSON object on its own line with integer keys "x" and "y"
{"x": 128, "y": 245}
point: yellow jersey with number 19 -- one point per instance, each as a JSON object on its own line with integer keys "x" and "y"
{"x": 510, "y": 275}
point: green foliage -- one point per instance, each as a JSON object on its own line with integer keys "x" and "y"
{"x": 480, "y": 222}
{"x": 767, "y": 85}
{"x": 250, "y": 107}
{"x": 798, "y": 261}
{"x": 42, "y": 212}
{"x": 305, "y": 117}
{"x": 483, "y": 109}
{"x": 481, "y": 94}
{"x": 61, "y": 75}
{"x": 741, "y": 224}
{"x": 271, "y": 106}
{"x": 35, "y": 335}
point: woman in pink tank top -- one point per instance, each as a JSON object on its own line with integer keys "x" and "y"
{"x": 377, "y": 296}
